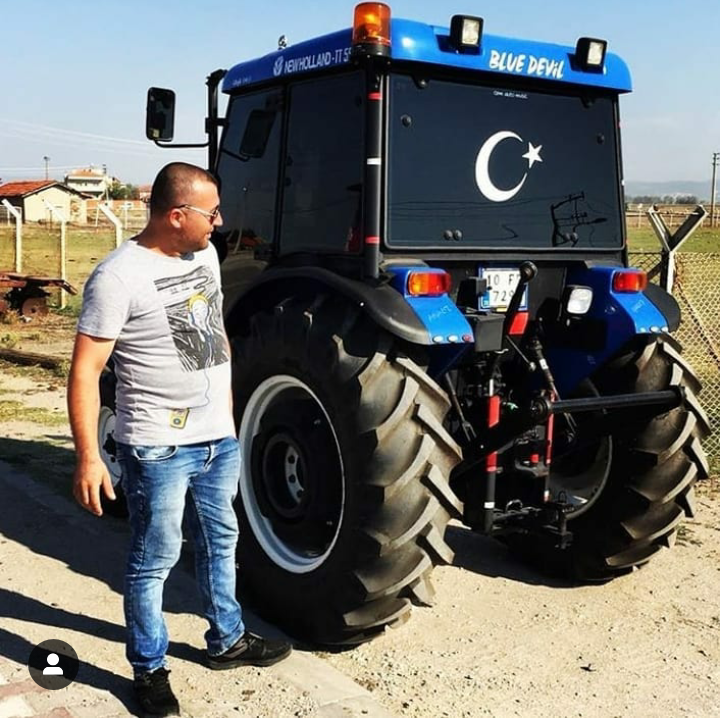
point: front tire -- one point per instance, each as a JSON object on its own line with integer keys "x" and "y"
{"x": 344, "y": 495}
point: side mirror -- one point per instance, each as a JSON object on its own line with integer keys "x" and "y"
{"x": 160, "y": 114}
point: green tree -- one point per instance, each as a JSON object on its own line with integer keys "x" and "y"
{"x": 119, "y": 191}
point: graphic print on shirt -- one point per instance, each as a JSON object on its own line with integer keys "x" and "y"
{"x": 192, "y": 305}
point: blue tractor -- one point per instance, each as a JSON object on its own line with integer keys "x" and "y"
{"x": 432, "y": 315}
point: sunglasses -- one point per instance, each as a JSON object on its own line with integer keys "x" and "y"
{"x": 209, "y": 215}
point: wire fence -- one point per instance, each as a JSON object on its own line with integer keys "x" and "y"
{"x": 697, "y": 290}
{"x": 636, "y": 214}
{"x": 6, "y": 217}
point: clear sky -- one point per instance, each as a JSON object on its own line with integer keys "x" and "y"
{"x": 75, "y": 73}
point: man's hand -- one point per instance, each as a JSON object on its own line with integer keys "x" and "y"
{"x": 90, "y": 476}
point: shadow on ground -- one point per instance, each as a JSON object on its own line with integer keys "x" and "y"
{"x": 486, "y": 556}
{"x": 62, "y": 532}
{"x": 44, "y": 461}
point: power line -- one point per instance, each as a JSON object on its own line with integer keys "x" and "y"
{"x": 71, "y": 142}
{"x": 37, "y": 128}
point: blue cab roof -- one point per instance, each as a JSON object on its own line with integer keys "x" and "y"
{"x": 418, "y": 42}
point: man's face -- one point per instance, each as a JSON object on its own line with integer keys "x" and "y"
{"x": 197, "y": 221}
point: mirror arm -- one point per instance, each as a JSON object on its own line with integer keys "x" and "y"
{"x": 181, "y": 145}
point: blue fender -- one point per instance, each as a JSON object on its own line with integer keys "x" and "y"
{"x": 617, "y": 317}
{"x": 449, "y": 332}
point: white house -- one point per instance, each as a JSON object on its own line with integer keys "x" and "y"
{"x": 91, "y": 181}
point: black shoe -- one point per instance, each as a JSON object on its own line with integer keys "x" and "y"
{"x": 250, "y": 650}
{"x": 154, "y": 694}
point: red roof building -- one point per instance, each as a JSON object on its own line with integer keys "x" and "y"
{"x": 23, "y": 188}
{"x": 33, "y": 198}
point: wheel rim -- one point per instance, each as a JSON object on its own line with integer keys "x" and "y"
{"x": 580, "y": 471}
{"x": 106, "y": 443}
{"x": 292, "y": 483}
{"x": 35, "y": 306}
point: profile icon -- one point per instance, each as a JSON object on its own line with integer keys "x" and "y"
{"x": 52, "y": 667}
{"x": 53, "y": 664}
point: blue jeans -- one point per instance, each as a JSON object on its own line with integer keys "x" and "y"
{"x": 156, "y": 481}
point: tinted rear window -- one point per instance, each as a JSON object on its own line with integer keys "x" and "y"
{"x": 472, "y": 166}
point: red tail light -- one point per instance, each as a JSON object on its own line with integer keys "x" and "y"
{"x": 630, "y": 280}
{"x": 428, "y": 283}
{"x": 519, "y": 323}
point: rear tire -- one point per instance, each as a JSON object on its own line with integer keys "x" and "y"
{"x": 651, "y": 470}
{"x": 344, "y": 495}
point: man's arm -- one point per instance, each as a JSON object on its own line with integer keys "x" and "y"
{"x": 83, "y": 396}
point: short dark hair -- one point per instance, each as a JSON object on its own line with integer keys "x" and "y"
{"x": 173, "y": 185}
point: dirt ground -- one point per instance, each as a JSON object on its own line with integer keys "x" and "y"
{"x": 501, "y": 640}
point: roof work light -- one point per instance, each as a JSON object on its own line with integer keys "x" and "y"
{"x": 590, "y": 54}
{"x": 466, "y": 33}
{"x": 371, "y": 29}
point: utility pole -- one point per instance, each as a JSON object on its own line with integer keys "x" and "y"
{"x": 46, "y": 159}
{"x": 716, "y": 159}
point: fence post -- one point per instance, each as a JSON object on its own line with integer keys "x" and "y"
{"x": 18, "y": 234}
{"x": 671, "y": 242}
{"x": 114, "y": 220}
{"x": 63, "y": 224}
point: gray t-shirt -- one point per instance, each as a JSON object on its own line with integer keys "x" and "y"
{"x": 171, "y": 357}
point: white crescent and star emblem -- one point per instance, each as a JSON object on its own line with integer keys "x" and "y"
{"x": 482, "y": 163}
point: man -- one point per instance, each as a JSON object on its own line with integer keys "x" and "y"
{"x": 155, "y": 304}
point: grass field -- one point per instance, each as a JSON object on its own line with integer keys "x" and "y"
{"x": 704, "y": 240}
{"x": 41, "y": 254}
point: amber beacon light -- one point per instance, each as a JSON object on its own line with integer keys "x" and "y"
{"x": 371, "y": 28}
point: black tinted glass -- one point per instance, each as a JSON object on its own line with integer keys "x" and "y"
{"x": 495, "y": 168}
{"x": 257, "y": 133}
{"x": 248, "y": 167}
{"x": 160, "y": 114}
{"x": 323, "y": 167}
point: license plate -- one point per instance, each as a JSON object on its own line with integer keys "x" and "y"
{"x": 501, "y": 285}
